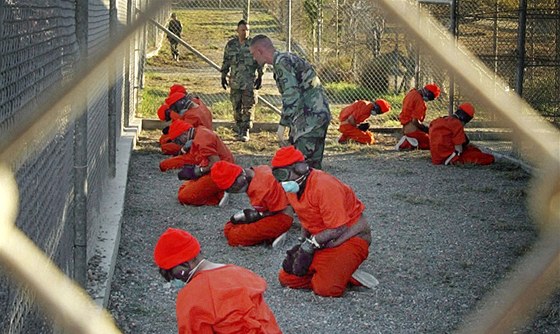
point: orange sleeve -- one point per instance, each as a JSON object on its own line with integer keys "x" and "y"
{"x": 360, "y": 110}
{"x": 228, "y": 299}
{"x": 458, "y": 132}
{"x": 326, "y": 203}
{"x": 413, "y": 107}
{"x": 204, "y": 145}
{"x": 264, "y": 192}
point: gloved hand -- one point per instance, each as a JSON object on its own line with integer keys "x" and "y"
{"x": 224, "y": 82}
{"x": 246, "y": 216}
{"x": 258, "y": 82}
{"x": 189, "y": 172}
{"x": 288, "y": 262}
{"x": 303, "y": 258}
{"x": 363, "y": 126}
{"x": 165, "y": 130}
{"x": 168, "y": 114}
{"x": 424, "y": 128}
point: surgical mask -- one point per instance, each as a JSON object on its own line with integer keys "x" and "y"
{"x": 177, "y": 283}
{"x": 290, "y": 186}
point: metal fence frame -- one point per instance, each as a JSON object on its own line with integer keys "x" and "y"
{"x": 41, "y": 138}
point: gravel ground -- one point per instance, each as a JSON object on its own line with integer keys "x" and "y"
{"x": 442, "y": 238}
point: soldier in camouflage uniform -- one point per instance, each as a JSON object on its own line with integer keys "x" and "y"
{"x": 175, "y": 27}
{"x": 242, "y": 79}
{"x": 305, "y": 109}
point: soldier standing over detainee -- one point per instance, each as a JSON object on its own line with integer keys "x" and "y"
{"x": 305, "y": 109}
{"x": 243, "y": 80}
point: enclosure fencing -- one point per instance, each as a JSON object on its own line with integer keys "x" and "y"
{"x": 72, "y": 70}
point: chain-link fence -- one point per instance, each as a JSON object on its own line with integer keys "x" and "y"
{"x": 61, "y": 172}
{"x": 360, "y": 53}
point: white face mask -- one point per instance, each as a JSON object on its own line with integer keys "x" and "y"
{"x": 290, "y": 186}
{"x": 177, "y": 283}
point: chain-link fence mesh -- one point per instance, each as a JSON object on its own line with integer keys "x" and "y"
{"x": 40, "y": 44}
{"x": 360, "y": 54}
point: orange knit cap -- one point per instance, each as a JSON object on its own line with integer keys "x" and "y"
{"x": 176, "y": 88}
{"x": 286, "y": 156}
{"x": 384, "y": 106}
{"x": 174, "y": 247}
{"x": 174, "y": 98}
{"x": 467, "y": 108}
{"x": 224, "y": 173}
{"x": 161, "y": 111}
{"x": 177, "y": 127}
{"x": 434, "y": 89}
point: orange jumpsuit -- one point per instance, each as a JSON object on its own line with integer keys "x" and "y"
{"x": 445, "y": 133}
{"x": 266, "y": 195}
{"x": 197, "y": 116}
{"x": 360, "y": 111}
{"x": 202, "y": 191}
{"x": 328, "y": 203}
{"x": 414, "y": 107}
{"x": 227, "y": 299}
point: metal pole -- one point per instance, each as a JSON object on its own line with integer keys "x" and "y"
{"x": 127, "y": 64}
{"x": 247, "y": 11}
{"x": 81, "y": 155}
{"x": 522, "y": 30}
{"x": 289, "y": 28}
{"x": 112, "y": 98}
{"x": 455, "y": 32}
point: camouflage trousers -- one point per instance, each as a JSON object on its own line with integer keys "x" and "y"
{"x": 243, "y": 102}
{"x": 312, "y": 145}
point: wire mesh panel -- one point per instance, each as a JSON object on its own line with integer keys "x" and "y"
{"x": 39, "y": 43}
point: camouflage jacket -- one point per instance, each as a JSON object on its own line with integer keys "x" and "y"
{"x": 239, "y": 59}
{"x": 304, "y": 104}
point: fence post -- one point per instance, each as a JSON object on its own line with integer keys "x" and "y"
{"x": 112, "y": 98}
{"x": 289, "y": 28}
{"x": 455, "y": 33}
{"x": 247, "y": 11}
{"x": 521, "y": 32}
{"x": 81, "y": 155}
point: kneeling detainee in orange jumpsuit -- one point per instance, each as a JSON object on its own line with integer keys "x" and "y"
{"x": 206, "y": 148}
{"x": 180, "y": 134}
{"x": 185, "y": 106}
{"x": 352, "y": 120}
{"x": 450, "y": 145}
{"x": 214, "y": 298}
{"x": 415, "y": 133}
{"x": 271, "y": 215}
{"x": 336, "y": 235}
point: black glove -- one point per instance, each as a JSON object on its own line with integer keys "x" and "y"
{"x": 168, "y": 115}
{"x": 224, "y": 82}
{"x": 288, "y": 262}
{"x": 363, "y": 126}
{"x": 165, "y": 130}
{"x": 303, "y": 258}
{"x": 258, "y": 82}
{"x": 189, "y": 172}
{"x": 246, "y": 216}
{"x": 424, "y": 128}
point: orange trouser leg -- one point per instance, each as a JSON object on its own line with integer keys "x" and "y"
{"x": 177, "y": 162}
{"x": 202, "y": 191}
{"x": 170, "y": 148}
{"x": 350, "y": 132}
{"x": 423, "y": 139}
{"x": 265, "y": 230}
{"x": 331, "y": 269}
{"x": 473, "y": 155}
{"x": 164, "y": 139}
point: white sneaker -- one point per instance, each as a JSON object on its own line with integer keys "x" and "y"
{"x": 224, "y": 201}
{"x": 279, "y": 241}
{"x": 366, "y": 279}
